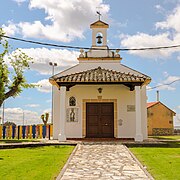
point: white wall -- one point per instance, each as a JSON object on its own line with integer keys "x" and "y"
{"x": 56, "y": 113}
{"x": 120, "y": 92}
{"x": 95, "y": 31}
{"x": 144, "y": 111}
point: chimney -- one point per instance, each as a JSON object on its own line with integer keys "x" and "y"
{"x": 157, "y": 96}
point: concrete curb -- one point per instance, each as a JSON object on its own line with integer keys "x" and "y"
{"x": 141, "y": 166}
{"x": 67, "y": 163}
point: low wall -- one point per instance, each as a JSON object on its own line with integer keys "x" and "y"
{"x": 162, "y": 131}
{"x": 26, "y": 132}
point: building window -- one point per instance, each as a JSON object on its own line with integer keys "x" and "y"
{"x": 72, "y": 101}
{"x": 170, "y": 122}
{"x": 149, "y": 114}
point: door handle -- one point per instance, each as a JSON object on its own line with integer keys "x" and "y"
{"x": 106, "y": 124}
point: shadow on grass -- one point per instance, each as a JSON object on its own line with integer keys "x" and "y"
{"x": 175, "y": 138}
{"x": 17, "y": 141}
{"x": 163, "y": 144}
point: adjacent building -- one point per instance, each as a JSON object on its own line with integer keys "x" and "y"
{"x": 160, "y": 119}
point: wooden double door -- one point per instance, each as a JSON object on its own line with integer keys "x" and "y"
{"x": 99, "y": 120}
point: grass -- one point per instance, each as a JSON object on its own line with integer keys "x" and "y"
{"x": 33, "y": 163}
{"x": 166, "y": 137}
{"x": 161, "y": 162}
{"x": 18, "y": 141}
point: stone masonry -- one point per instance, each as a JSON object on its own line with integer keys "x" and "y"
{"x": 103, "y": 161}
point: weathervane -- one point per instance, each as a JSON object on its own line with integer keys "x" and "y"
{"x": 98, "y": 12}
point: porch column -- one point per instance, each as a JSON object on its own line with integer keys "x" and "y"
{"x": 62, "y": 134}
{"x": 138, "y": 136}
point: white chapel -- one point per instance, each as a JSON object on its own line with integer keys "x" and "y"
{"x": 99, "y": 97}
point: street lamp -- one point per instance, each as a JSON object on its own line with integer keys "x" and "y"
{"x": 3, "y": 113}
{"x": 53, "y": 65}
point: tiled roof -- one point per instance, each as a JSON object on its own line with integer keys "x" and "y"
{"x": 151, "y": 104}
{"x": 102, "y": 75}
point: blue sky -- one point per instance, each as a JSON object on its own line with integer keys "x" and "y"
{"x": 139, "y": 23}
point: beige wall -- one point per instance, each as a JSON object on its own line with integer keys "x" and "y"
{"x": 159, "y": 117}
{"x": 124, "y": 121}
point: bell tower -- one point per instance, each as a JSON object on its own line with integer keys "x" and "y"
{"x": 99, "y": 50}
{"x": 99, "y": 34}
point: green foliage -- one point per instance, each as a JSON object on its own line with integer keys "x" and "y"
{"x": 12, "y": 82}
{"x": 33, "y": 163}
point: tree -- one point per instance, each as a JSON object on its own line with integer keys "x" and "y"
{"x": 45, "y": 118}
{"x": 12, "y": 82}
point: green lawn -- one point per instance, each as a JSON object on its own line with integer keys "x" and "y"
{"x": 33, "y": 163}
{"x": 162, "y": 163}
{"x": 166, "y": 137}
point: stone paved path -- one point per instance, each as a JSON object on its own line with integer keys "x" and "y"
{"x": 103, "y": 161}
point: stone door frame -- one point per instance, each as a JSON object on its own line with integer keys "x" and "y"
{"x": 99, "y": 99}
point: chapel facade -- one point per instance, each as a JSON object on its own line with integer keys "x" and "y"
{"x": 99, "y": 97}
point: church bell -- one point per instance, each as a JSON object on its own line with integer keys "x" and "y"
{"x": 99, "y": 39}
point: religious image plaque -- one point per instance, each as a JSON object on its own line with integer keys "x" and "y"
{"x": 72, "y": 114}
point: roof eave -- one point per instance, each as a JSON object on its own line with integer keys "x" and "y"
{"x": 53, "y": 82}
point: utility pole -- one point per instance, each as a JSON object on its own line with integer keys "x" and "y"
{"x": 157, "y": 98}
{"x": 53, "y": 66}
{"x": 23, "y": 117}
{"x": 3, "y": 113}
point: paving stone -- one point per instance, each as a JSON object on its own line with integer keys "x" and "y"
{"x": 103, "y": 161}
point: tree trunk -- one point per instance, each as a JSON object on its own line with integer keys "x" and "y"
{"x": 1, "y": 102}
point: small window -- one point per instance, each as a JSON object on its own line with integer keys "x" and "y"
{"x": 72, "y": 101}
{"x": 170, "y": 122}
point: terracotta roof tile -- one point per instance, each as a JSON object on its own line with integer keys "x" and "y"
{"x": 151, "y": 104}
{"x": 102, "y": 75}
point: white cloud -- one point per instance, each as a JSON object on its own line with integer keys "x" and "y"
{"x": 141, "y": 40}
{"x": 165, "y": 87}
{"x": 19, "y": 2}
{"x": 10, "y": 29}
{"x": 178, "y": 58}
{"x": 148, "y": 88}
{"x": 168, "y": 38}
{"x": 160, "y": 9}
{"x": 16, "y": 115}
{"x": 64, "y": 21}
{"x": 158, "y": 6}
{"x": 166, "y": 74}
{"x": 47, "y": 111}
{"x": 170, "y": 81}
{"x": 177, "y": 120}
{"x": 44, "y": 86}
{"x": 32, "y": 105}
{"x": 172, "y": 21}
{"x": 49, "y": 100}
{"x": 42, "y": 57}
